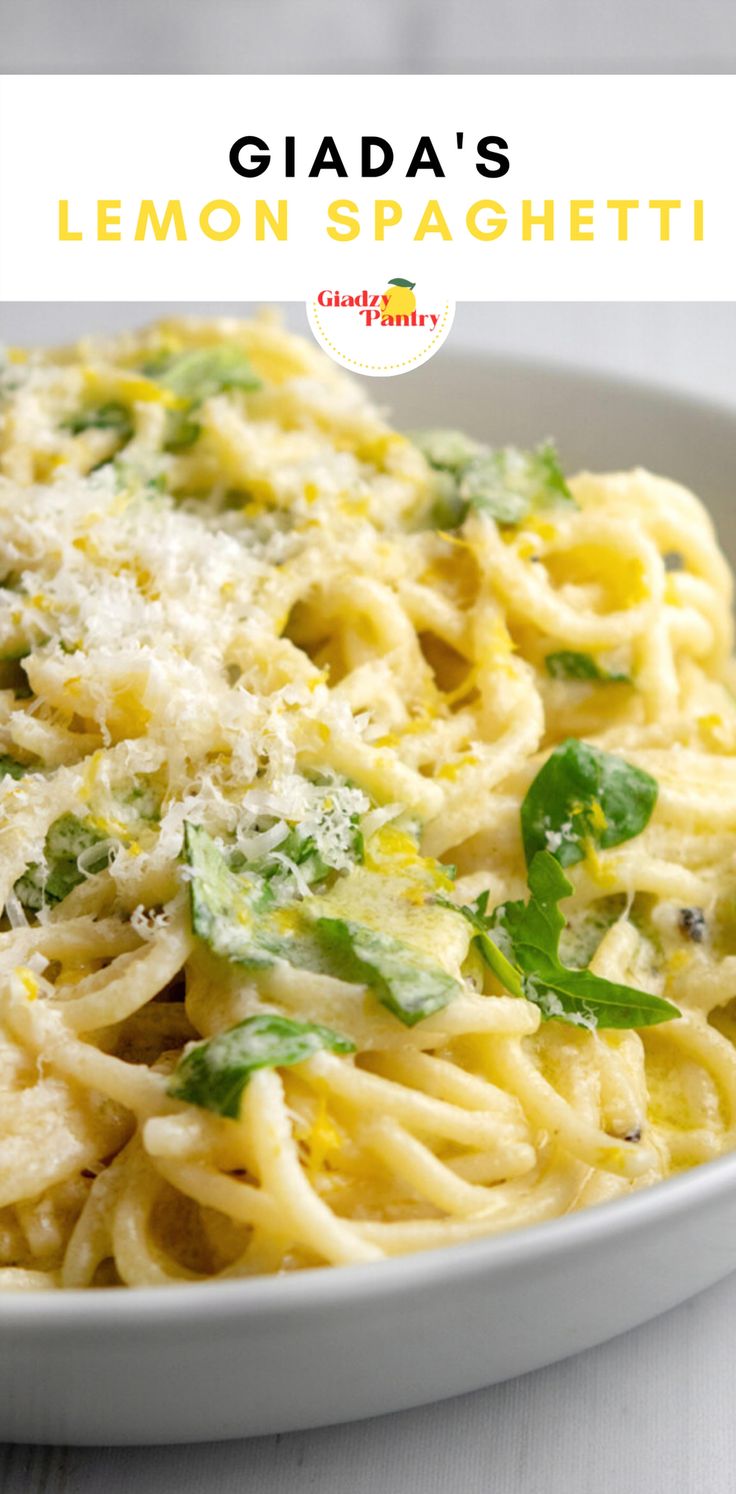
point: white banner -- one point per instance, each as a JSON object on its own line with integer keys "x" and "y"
{"x": 276, "y": 188}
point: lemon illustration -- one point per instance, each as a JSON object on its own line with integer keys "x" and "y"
{"x": 399, "y": 299}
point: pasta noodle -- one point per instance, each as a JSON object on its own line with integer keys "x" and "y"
{"x": 289, "y": 707}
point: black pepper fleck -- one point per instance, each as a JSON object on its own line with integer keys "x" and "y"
{"x": 692, "y": 924}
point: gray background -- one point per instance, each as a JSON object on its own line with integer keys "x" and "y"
{"x": 240, "y": 36}
{"x": 652, "y": 1412}
{"x": 689, "y": 346}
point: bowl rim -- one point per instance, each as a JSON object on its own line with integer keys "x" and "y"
{"x": 588, "y": 373}
{"x": 316, "y": 1287}
{"x": 42, "y": 1311}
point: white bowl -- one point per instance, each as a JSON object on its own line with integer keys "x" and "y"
{"x": 240, "y": 1358}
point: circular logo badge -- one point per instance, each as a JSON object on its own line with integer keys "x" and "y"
{"x": 383, "y": 329}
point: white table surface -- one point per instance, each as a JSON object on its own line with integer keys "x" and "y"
{"x": 653, "y": 1412}
{"x": 650, "y": 1413}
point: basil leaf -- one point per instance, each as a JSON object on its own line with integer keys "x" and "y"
{"x": 198, "y": 374}
{"x": 520, "y": 941}
{"x": 226, "y": 906}
{"x": 108, "y": 417}
{"x": 584, "y": 796}
{"x": 403, "y": 980}
{"x": 214, "y": 1074}
{"x": 566, "y": 664}
{"x": 51, "y": 880}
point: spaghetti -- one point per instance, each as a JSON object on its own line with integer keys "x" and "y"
{"x": 367, "y": 822}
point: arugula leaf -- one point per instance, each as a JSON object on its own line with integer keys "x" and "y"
{"x": 214, "y": 1074}
{"x": 202, "y": 372}
{"x": 504, "y": 482}
{"x": 225, "y": 905}
{"x": 566, "y": 664}
{"x": 402, "y": 978}
{"x": 51, "y": 880}
{"x": 108, "y": 417}
{"x": 584, "y": 796}
{"x": 476, "y": 914}
{"x": 520, "y": 942}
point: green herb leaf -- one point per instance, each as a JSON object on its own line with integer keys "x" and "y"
{"x": 504, "y": 482}
{"x": 312, "y": 856}
{"x": 137, "y": 477}
{"x": 402, "y": 978}
{"x": 447, "y": 450}
{"x": 248, "y": 911}
{"x": 51, "y": 880}
{"x": 448, "y": 510}
{"x": 142, "y": 801}
{"x": 108, "y": 417}
{"x": 476, "y": 914}
{"x": 407, "y": 284}
{"x": 302, "y": 850}
{"x": 9, "y": 768}
{"x": 520, "y": 941}
{"x": 15, "y": 652}
{"x": 508, "y": 484}
{"x": 226, "y": 905}
{"x": 583, "y": 796}
{"x": 202, "y": 372}
{"x": 214, "y": 1073}
{"x": 566, "y": 664}
{"x": 181, "y": 431}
